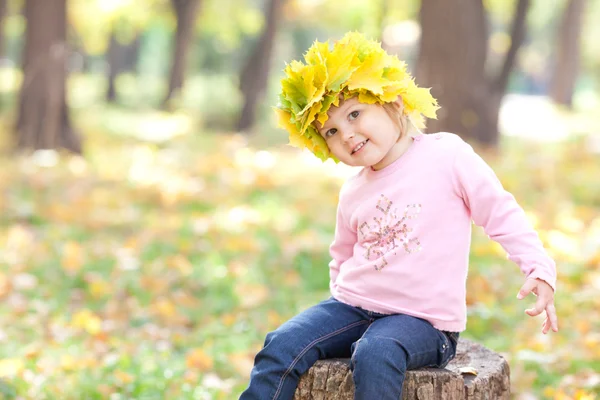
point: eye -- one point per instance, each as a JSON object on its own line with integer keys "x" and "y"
{"x": 353, "y": 115}
{"x": 330, "y": 133}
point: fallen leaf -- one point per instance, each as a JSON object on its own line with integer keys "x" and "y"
{"x": 468, "y": 370}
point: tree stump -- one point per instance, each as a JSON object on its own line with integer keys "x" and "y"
{"x": 332, "y": 379}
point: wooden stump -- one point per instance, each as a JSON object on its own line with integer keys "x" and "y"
{"x": 332, "y": 379}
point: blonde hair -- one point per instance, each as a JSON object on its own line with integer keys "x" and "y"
{"x": 398, "y": 117}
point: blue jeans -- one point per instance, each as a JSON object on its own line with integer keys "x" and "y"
{"x": 381, "y": 349}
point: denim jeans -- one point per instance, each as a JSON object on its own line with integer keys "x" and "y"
{"x": 381, "y": 349}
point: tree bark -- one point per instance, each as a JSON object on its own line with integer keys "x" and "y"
{"x": 254, "y": 76}
{"x": 451, "y": 61}
{"x": 568, "y": 55}
{"x": 185, "y": 12}
{"x": 332, "y": 379}
{"x": 43, "y": 120}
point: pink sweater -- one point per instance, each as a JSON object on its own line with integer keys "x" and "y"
{"x": 403, "y": 233}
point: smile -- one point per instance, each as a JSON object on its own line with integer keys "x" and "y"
{"x": 359, "y": 146}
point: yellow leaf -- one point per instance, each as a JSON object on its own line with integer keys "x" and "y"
{"x": 251, "y": 295}
{"x": 11, "y": 367}
{"x": 199, "y": 360}
{"x": 154, "y": 284}
{"x": 242, "y": 362}
{"x": 340, "y": 66}
{"x": 5, "y": 285}
{"x": 165, "y": 308}
{"x": 191, "y": 377}
{"x": 181, "y": 264}
{"x": 123, "y": 377}
{"x": 467, "y": 370}
{"x": 72, "y": 259}
{"x": 99, "y": 288}
{"x": 274, "y": 319}
{"x": 228, "y": 320}
{"x": 317, "y": 54}
{"x": 284, "y": 121}
{"x": 68, "y": 363}
{"x": 32, "y": 351}
{"x": 581, "y": 394}
{"x": 366, "y": 77}
{"x": 87, "y": 320}
{"x": 291, "y": 278}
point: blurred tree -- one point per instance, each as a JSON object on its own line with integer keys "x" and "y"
{"x": 120, "y": 57}
{"x": 452, "y": 57}
{"x": 568, "y": 53}
{"x": 43, "y": 120}
{"x": 253, "y": 79}
{"x": 185, "y": 12}
{"x": 112, "y": 29}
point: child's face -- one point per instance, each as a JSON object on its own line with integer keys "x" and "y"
{"x": 360, "y": 134}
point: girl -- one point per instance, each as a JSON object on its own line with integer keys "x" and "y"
{"x": 401, "y": 247}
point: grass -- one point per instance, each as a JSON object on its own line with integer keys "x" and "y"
{"x": 154, "y": 267}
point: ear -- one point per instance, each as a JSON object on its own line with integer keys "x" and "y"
{"x": 398, "y": 103}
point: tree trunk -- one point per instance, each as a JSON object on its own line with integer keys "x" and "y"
{"x": 452, "y": 57}
{"x": 567, "y": 54}
{"x": 254, "y": 76}
{"x": 114, "y": 62}
{"x": 43, "y": 121}
{"x": 185, "y": 12}
{"x": 332, "y": 379}
{"x": 120, "y": 58}
{"x": 132, "y": 54}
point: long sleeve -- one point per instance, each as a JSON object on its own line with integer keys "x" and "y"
{"x": 502, "y": 219}
{"x": 341, "y": 248}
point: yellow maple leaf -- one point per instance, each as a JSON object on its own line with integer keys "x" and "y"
{"x": 341, "y": 64}
{"x": 317, "y": 53}
{"x": 331, "y": 100}
{"x": 309, "y": 118}
{"x": 369, "y": 76}
{"x": 367, "y": 97}
{"x": 284, "y": 121}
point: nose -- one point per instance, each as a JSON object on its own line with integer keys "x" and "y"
{"x": 347, "y": 134}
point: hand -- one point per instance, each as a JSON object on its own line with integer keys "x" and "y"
{"x": 545, "y": 301}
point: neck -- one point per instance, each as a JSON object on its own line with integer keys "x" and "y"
{"x": 396, "y": 151}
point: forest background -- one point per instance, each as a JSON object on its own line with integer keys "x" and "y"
{"x": 154, "y": 226}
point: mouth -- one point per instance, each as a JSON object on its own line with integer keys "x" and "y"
{"x": 359, "y": 147}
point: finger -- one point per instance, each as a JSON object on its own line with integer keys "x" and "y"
{"x": 551, "y": 315}
{"x": 545, "y": 326}
{"x": 526, "y": 288}
{"x": 540, "y": 306}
